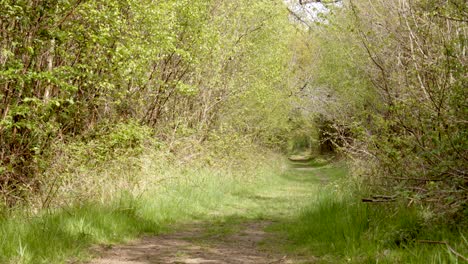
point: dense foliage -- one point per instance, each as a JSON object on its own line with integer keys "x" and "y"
{"x": 391, "y": 76}
{"x": 68, "y": 69}
{"x": 118, "y": 111}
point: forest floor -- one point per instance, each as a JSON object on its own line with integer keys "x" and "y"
{"x": 237, "y": 233}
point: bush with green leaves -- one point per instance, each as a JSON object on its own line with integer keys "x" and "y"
{"x": 395, "y": 75}
{"x": 69, "y": 67}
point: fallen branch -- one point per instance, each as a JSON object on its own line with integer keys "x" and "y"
{"x": 446, "y": 244}
{"x": 384, "y": 197}
{"x": 379, "y": 199}
{"x": 370, "y": 200}
{"x": 411, "y": 179}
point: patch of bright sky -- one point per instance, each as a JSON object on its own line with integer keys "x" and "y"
{"x": 310, "y": 12}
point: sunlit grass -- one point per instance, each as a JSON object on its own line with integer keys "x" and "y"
{"x": 337, "y": 227}
{"x": 52, "y": 237}
{"x": 315, "y": 208}
{"x": 186, "y": 195}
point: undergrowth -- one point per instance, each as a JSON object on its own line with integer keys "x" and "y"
{"x": 148, "y": 187}
{"x": 101, "y": 193}
{"x": 182, "y": 195}
{"x": 338, "y": 227}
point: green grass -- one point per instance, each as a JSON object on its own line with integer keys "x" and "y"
{"x": 337, "y": 227}
{"x": 55, "y": 236}
{"x": 311, "y": 204}
{"x": 67, "y": 233}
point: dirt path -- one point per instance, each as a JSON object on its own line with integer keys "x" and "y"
{"x": 228, "y": 237}
{"x": 193, "y": 245}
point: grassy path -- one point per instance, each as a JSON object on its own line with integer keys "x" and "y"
{"x": 207, "y": 215}
{"x": 235, "y": 231}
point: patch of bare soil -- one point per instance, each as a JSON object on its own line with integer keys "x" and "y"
{"x": 193, "y": 246}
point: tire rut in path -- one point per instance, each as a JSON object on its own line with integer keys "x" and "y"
{"x": 194, "y": 246}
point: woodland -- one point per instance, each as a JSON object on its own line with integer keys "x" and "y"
{"x": 104, "y": 102}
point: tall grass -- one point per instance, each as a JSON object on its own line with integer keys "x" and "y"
{"x": 52, "y": 237}
{"x": 339, "y": 228}
{"x": 122, "y": 199}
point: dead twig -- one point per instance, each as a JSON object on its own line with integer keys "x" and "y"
{"x": 411, "y": 179}
{"x": 446, "y": 244}
{"x": 379, "y": 199}
{"x": 370, "y": 200}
